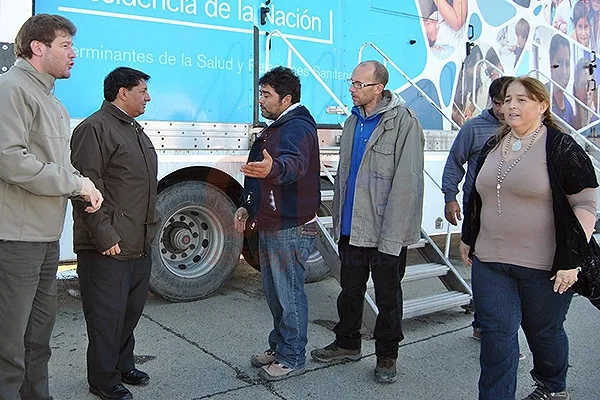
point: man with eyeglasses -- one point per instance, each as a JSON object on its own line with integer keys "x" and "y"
{"x": 377, "y": 210}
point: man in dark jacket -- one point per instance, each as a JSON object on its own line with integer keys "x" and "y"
{"x": 113, "y": 245}
{"x": 280, "y": 200}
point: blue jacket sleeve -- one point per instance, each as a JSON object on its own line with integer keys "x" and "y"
{"x": 454, "y": 170}
{"x": 292, "y": 161}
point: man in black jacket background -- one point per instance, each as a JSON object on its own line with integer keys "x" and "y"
{"x": 113, "y": 245}
{"x": 280, "y": 200}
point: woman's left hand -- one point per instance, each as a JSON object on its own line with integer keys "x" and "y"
{"x": 564, "y": 279}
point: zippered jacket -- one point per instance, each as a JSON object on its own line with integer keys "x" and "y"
{"x": 291, "y": 194}
{"x": 36, "y": 176}
{"x": 388, "y": 201}
{"x": 112, "y": 149}
{"x": 466, "y": 149}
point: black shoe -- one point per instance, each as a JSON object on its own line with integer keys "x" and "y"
{"x": 117, "y": 392}
{"x": 135, "y": 377}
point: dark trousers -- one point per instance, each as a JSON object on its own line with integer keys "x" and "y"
{"x": 386, "y": 271}
{"x": 113, "y": 293}
{"x": 27, "y": 315}
{"x": 508, "y": 296}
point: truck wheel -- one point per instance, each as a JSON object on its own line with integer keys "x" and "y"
{"x": 196, "y": 248}
{"x": 316, "y": 268}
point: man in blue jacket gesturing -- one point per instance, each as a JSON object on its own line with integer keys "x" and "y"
{"x": 280, "y": 200}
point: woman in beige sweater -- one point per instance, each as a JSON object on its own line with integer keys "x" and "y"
{"x": 533, "y": 185}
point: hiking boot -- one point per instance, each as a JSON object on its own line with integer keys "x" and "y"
{"x": 333, "y": 352}
{"x": 277, "y": 371}
{"x": 266, "y": 358}
{"x": 541, "y": 393}
{"x": 385, "y": 371}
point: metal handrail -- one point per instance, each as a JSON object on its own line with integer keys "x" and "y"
{"x": 581, "y": 103}
{"x": 591, "y": 146}
{"x": 477, "y": 65}
{"x": 292, "y": 49}
{"x": 413, "y": 84}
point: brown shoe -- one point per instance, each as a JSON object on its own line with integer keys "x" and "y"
{"x": 332, "y": 352}
{"x": 385, "y": 371}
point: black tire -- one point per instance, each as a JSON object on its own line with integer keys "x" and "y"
{"x": 316, "y": 268}
{"x": 196, "y": 248}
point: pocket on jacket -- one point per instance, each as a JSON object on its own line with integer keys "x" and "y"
{"x": 383, "y": 160}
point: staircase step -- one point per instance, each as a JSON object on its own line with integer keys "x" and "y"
{"x": 326, "y": 195}
{"x": 431, "y": 304}
{"x": 419, "y": 271}
{"x": 422, "y": 271}
{"x": 327, "y": 222}
{"x": 420, "y": 244}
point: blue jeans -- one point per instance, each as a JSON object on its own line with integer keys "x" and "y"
{"x": 283, "y": 256}
{"x": 507, "y": 296}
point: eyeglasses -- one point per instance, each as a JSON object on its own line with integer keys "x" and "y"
{"x": 359, "y": 85}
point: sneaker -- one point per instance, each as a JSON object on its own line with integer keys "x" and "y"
{"x": 522, "y": 356}
{"x": 334, "y": 353}
{"x": 266, "y": 358}
{"x": 541, "y": 393}
{"x": 385, "y": 371}
{"x": 277, "y": 371}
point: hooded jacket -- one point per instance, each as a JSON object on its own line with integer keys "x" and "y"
{"x": 466, "y": 149}
{"x": 36, "y": 176}
{"x": 290, "y": 195}
{"x": 388, "y": 201}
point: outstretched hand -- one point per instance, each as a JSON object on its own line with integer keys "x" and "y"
{"x": 258, "y": 169}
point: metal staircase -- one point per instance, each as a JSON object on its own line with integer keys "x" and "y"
{"x": 454, "y": 293}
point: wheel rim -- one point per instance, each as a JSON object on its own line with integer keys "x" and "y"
{"x": 191, "y": 241}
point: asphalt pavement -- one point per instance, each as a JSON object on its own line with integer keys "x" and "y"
{"x": 201, "y": 350}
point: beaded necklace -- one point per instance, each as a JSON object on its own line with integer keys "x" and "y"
{"x": 500, "y": 176}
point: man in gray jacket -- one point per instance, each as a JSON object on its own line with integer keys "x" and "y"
{"x": 36, "y": 177}
{"x": 377, "y": 210}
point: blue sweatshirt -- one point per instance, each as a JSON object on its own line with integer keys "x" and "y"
{"x": 466, "y": 149}
{"x": 362, "y": 133}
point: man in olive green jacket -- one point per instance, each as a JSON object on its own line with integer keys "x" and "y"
{"x": 36, "y": 177}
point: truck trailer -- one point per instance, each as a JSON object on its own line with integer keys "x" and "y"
{"x": 205, "y": 58}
